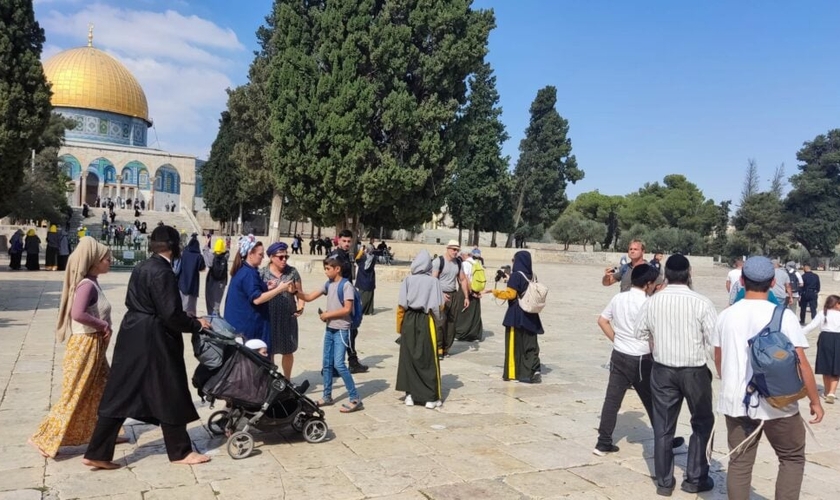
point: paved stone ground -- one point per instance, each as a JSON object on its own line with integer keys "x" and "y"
{"x": 491, "y": 439}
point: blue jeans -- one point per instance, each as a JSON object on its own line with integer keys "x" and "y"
{"x": 335, "y": 347}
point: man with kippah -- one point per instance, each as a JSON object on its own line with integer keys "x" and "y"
{"x": 783, "y": 426}
{"x": 148, "y": 379}
{"x": 679, "y": 323}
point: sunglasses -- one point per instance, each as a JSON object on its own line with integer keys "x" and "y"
{"x": 281, "y": 257}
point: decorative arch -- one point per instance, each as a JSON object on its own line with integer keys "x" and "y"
{"x": 167, "y": 180}
{"x": 99, "y": 166}
{"x": 130, "y": 172}
{"x": 71, "y": 166}
{"x": 143, "y": 181}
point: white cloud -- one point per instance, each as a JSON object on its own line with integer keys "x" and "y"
{"x": 184, "y": 64}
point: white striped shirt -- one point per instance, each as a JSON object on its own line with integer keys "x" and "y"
{"x": 680, "y": 322}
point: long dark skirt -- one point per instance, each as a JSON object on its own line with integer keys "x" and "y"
{"x": 828, "y": 354}
{"x": 367, "y": 302}
{"x": 284, "y": 325}
{"x": 51, "y": 259}
{"x": 62, "y": 262}
{"x": 14, "y": 260}
{"x": 418, "y": 372}
{"x": 214, "y": 290}
{"x": 522, "y": 354}
{"x": 32, "y": 262}
{"x": 468, "y": 325}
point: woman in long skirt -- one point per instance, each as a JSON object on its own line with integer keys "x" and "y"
{"x": 217, "y": 277}
{"x": 522, "y": 351}
{"x": 51, "y": 259}
{"x": 828, "y": 346}
{"x": 85, "y": 313}
{"x": 283, "y": 309}
{"x": 418, "y": 317}
{"x": 63, "y": 249}
{"x": 32, "y": 246}
{"x": 16, "y": 249}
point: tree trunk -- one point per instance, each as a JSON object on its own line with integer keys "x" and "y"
{"x": 517, "y": 217}
{"x": 460, "y": 233}
{"x": 493, "y": 240}
{"x": 274, "y": 219}
{"x": 239, "y": 220}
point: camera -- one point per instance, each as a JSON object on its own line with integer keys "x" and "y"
{"x": 502, "y": 274}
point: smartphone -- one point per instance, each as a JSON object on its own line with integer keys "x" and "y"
{"x": 320, "y": 312}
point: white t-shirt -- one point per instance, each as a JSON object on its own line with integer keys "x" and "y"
{"x": 826, "y": 323}
{"x": 733, "y": 276}
{"x": 735, "y": 326}
{"x": 622, "y": 312}
{"x": 467, "y": 266}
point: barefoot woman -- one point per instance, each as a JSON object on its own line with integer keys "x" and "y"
{"x": 148, "y": 379}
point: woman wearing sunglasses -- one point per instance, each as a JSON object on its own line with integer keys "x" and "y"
{"x": 285, "y": 308}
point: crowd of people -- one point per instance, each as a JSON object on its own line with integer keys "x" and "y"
{"x": 661, "y": 330}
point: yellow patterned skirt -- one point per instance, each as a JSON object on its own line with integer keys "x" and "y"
{"x": 72, "y": 419}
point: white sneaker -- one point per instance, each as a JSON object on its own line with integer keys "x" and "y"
{"x": 408, "y": 400}
{"x": 829, "y": 398}
{"x": 434, "y": 404}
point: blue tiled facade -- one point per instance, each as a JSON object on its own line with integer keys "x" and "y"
{"x": 105, "y": 127}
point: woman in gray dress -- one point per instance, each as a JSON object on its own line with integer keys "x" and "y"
{"x": 284, "y": 308}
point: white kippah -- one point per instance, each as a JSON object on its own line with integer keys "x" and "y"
{"x": 255, "y": 344}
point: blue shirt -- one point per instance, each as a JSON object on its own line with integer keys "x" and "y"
{"x": 244, "y": 316}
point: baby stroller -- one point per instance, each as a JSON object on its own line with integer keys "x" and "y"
{"x": 252, "y": 388}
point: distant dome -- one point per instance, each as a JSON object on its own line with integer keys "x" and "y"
{"x": 88, "y": 78}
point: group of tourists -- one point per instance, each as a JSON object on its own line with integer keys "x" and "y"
{"x": 58, "y": 249}
{"x": 661, "y": 330}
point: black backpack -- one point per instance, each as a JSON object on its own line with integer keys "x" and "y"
{"x": 219, "y": 268}
{"x": 794, "y": 282}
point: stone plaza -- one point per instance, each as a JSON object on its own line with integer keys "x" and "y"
{"x": 490, "y": 440}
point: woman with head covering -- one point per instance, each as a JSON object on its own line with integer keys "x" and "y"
{"x": 418, "y": 316}
{"x": 522, "y": 351}
{"x": 192, "y": 263}
{"x": 63, "y": 249}
{"x": 32, "y": 245}
{"x": 16, "y": 250}
{"x": 285, "y": 308}
{"x": 246, "y": 305}
{"x": 51, "y": 260}
{"x": 84, "y": 314}
{"x": 217, "y": 278}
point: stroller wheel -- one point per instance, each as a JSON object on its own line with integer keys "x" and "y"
{"x": 240, "y": 445}
{"x": 217, "y": 423}
{"x": 315, "y": 430}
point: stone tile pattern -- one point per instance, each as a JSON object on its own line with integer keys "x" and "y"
{"x": 491, "y": 439}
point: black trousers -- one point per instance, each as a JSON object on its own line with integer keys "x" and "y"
{"x": 104, "y": 439}
{"x": 352, "y": 355}
{"x": 809, "y": 303}
{"x": 625, "y": 371}
{"x": 668, "y": 387}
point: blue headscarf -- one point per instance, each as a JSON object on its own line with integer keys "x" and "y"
{"x": 277, "y": 247}
{"x": 246, "y": 244}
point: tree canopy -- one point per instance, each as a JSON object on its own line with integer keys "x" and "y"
{"x": 814, "y": 201}
{"x": 674, "y": 203}
{"x": 24, "y": 94}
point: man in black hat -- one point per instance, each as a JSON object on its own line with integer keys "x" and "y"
{"x": 148, "y": 380}
{"x": 679, "y": 323}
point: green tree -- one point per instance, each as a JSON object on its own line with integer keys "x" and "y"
{"x": 674, "y": 240}
{"x": 24, "y": 94}
{"x": 568, "y": 229}
{"x": 674, "y": 203}
{"x": 719, "y": 237}
{"x": 814, "y": 201}
{"x": 762, "y": 220}
{"x": 220, "y": 177}
{"x": 480, "y": 187}
{"x": 601, "y": 208}
{"x": 364, "y": 98}
{"x": 43, "y": 194}
{"x": 545, "y": 166}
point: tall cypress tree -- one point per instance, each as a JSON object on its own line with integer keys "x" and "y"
{"x": 219, "y": 176}
{"x": 546, "y": 165}
{"x": 478, "y": 196}
{"x": 24, "y": 93}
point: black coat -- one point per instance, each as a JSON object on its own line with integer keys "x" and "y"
{"x": 148, "y": 379}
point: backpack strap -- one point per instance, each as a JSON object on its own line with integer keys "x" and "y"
{"x": 341, "y": 291}
{"x": 775, "y": 324}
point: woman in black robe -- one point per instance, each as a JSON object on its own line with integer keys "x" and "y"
{"x": 32, "y": 245}
{"x": 148, "y": 380}
{"x": 522, "y": 351}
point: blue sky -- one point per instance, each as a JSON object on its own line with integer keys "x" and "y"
{"x": 650, "y": 87}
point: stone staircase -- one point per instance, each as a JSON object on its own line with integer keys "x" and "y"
{"x": 93, "y": 222}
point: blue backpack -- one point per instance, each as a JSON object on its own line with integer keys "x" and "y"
{"x": 356, "y": 311}
{"x": 775, "y": 365}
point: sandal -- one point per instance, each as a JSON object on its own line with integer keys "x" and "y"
{"x": 324, "y": 402}
{"x": 352, "y": 407}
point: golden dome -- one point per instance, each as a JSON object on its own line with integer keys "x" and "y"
{"x": 89, "y": 78}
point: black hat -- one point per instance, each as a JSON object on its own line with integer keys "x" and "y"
{"x": 677, "y": 262}
{"x": 165, "y": 234}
